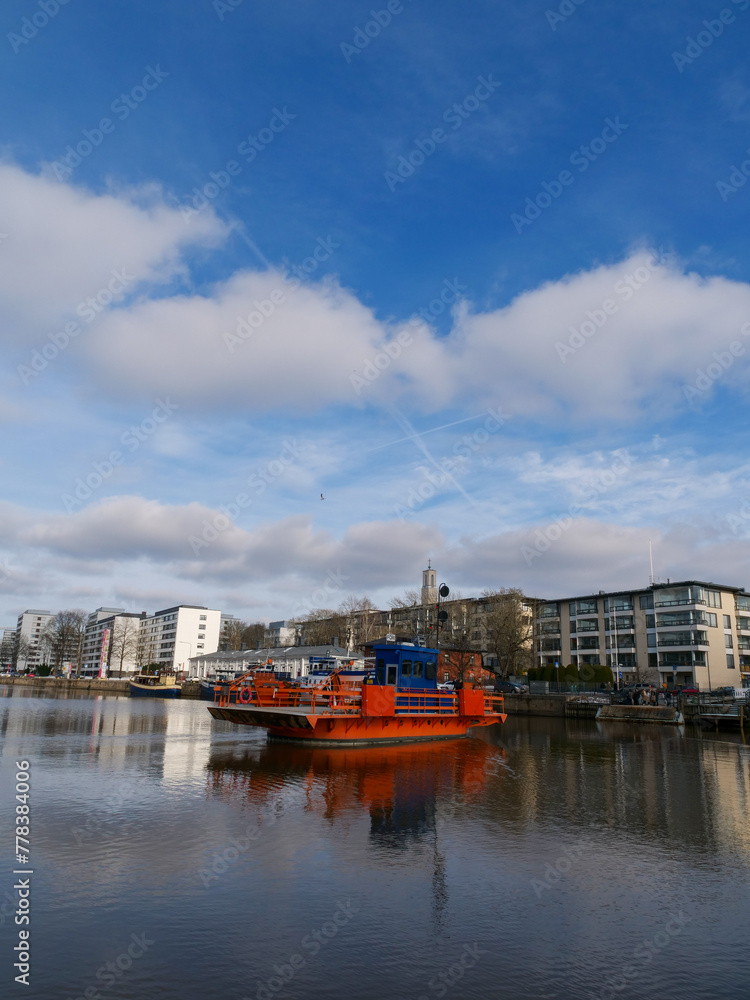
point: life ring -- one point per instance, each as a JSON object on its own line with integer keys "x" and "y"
{"x": 245, "y": 691}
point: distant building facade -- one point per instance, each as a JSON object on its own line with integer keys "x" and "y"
{"x": 31, "y": 625}
{"x": 283, "y": 633}
{"x": 293, "y": 660}
{"x": 174, "y": 635}
{"x": 691, "y": 632}
{"x": 110, "y": 642}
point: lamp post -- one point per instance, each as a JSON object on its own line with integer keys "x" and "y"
{"x": 442, "y": 616}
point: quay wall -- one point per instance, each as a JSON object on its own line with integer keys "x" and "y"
{"x": 536, "y": 704}
{"x": 67, "y": 684}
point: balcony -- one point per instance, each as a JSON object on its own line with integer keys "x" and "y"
{"x": 682, "y": 602}
{"x": 691, "y": 641}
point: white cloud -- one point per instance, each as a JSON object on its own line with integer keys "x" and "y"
{"x": 619, "y": 342}
{"x": 63, "y": 243}
{"x": 552, "y": 353}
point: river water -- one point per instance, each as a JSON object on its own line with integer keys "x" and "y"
{"x": 179, "y": 858}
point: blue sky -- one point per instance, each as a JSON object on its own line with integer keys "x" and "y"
{"x": 535, "y": 426}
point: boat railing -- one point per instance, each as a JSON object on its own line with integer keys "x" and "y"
{"x": 421, "y": 702}
{"x": 494, "y": 704}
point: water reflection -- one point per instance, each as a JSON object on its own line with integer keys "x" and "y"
{"x": 440, "y": 844}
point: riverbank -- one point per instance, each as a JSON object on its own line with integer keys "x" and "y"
{"x": 102, "y": 685}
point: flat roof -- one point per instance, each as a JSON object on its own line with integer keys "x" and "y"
{"x": 644, "y": 590}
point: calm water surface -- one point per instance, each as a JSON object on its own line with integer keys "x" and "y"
{"x": 543, "y": 860}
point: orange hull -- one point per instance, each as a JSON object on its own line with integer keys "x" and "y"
{"x": 286, "y": 723}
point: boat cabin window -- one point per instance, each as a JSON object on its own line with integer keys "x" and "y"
{"x": 392, "y": 671}
{"x": 418, "y": 668}
{"x": 406, "y": 668}
{"x": 430, "y": 670}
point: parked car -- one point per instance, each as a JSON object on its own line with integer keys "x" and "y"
{"x": 509, "y": 687}
{"x": 723, "y": 692}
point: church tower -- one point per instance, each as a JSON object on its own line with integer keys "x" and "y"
{"x": 429, "y": 585}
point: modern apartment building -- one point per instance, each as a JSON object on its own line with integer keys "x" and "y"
{"x": 110, "y": 642}
{"x": 31, "y": 625}
{"x": 172, "y": 636}
{"x": 689, "y": 632}
{"x": 7, "y": 642}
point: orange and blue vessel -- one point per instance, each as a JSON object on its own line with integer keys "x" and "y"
{"x": 398, "y": 702}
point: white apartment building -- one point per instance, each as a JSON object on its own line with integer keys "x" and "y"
{"x": 172, "y": 636}
{"x": 279, "y": 634}
{"x": 111, "y": 642}
{"x": 7, "y": 641}
{"x": 689, "y": 632}
{"x": 31, "y": 626}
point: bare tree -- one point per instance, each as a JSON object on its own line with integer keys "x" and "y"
{"x": 64, "y": 638}
{"x": 20, "y": 649}
{"x": 253, "y": 635}
{"x": 363, "y": 620}
{"x": 409, "y": 599}
{"x": 145, "y": 647}
{"x": 509, "y": 629}
{"x": 321, "y": 626}
{"x": 232, "y": 636}
{"x": 123, "y": 643}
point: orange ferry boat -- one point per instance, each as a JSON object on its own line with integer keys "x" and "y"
{"x": 399, "y": 702}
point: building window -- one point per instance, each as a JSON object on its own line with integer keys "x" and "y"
{"x": 728, "y": 640}
{"x": 730, "y": 661}
{"x": 712, "y": 619}
{"x": 713, "y": 598}
{"x": 727, "y": 621}
{"x": 586, "y": 607}
{"x": 202, "y": 618}
{"x": 199, "y": 646}
{"x": 647, "y": 602}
